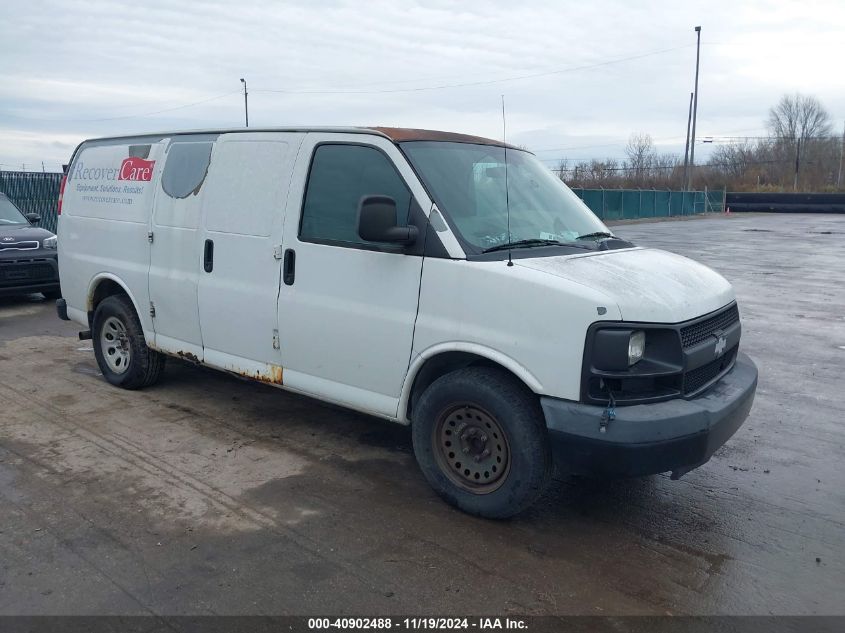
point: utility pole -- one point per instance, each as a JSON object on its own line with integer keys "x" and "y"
{"x": 686, "y": 150}
{"x": 694, "y": 107}
{"x": 841, "y": 154}
{"x": 797, "y": 163}
{"x": 246, "y": 105}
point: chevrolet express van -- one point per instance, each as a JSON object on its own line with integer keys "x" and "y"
{"x": 439, "y": 280}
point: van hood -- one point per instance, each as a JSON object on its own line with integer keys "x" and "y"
{"x": 647, "y": 285}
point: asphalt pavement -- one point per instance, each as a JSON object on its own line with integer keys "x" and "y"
{"x": 208, "y": 494}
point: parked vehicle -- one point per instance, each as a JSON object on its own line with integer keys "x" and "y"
{"x": 434, "y": 279}
{"x": 28, "y": 261}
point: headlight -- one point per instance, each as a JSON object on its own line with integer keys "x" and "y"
{"x": 50, "y": 242}
{"x": 636, "y": 347}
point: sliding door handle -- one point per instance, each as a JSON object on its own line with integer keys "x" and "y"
{"x": 208, "y": 256}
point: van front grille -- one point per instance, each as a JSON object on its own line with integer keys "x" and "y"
{"x": 696, "y": 333}
{"x": 700, "y": 377}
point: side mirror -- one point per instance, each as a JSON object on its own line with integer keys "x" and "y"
{"x": 33, "y": 218}
{"x": 377, "y": 222}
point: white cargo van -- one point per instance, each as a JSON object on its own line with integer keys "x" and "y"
{"x": 433, "y": 279}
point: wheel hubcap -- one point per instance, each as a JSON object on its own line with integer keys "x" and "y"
{"x": 471, "y": 448}
{"x": 114, "y": 343}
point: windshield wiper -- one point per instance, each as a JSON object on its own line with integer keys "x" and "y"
{"x": 522, "y": 244}
{"x": 596, "y": 236}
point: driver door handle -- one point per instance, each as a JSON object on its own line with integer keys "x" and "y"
{"x": 289, "y": 267}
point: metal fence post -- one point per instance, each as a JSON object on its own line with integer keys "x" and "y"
{"x": 603, "y": 207}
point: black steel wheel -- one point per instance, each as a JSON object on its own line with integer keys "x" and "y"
{"x": 472, "y": 448}
{"x": 480, "y": 439}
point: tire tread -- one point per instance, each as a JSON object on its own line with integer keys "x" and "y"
{"x": 527, "y": 425}
{"x": 148, "y": 364}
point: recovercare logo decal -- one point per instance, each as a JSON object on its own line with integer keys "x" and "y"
{"x": 132, "y": 169}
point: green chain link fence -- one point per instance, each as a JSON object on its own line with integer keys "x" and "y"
{"x": 34, "y": 192}
{"x": 633, "y": 204}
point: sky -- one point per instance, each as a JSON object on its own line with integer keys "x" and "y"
{"x": 578, "y": 78}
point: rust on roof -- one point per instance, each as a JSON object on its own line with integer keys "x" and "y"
{"x": 401, "y": 134}
{"x": 395, "y": 134}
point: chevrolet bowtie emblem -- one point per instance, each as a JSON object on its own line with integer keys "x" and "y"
{"x": 721, "y": 343}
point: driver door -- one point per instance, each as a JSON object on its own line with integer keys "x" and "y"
{"x": 347, "y": 313}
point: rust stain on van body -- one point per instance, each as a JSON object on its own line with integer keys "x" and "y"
{"x": 274, "y": 375}
{"x": 402, "y": 134}
{"x": 189, "y": 357}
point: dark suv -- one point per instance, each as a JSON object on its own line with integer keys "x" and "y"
{"x": 28, "y": 261}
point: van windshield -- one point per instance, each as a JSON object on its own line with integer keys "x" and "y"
{"x": 467, "y": 181}
{"x": 9, "y": 213}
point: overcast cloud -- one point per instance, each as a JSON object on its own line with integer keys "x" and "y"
{"x": 78, "y": 69}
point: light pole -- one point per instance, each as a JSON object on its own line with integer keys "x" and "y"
{"x": 686, "y": 149}
{"x": 246, "y": 105}
{"x": 694, "y": 108}
{"x": 841, "y": 156}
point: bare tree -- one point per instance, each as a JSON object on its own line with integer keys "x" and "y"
{"x": 733, "y": 161}
{"x": 800, "y": 153}
{"x": 640, "y": 152}
{"x": 798, "y": 117}
{"x": 562, "y": 169}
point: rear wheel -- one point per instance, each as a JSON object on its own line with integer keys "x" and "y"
{"x": 481, "y": 442}
{"x": 120, "y": 348}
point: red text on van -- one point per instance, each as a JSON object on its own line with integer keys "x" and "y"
{"x": 134, "y": 168}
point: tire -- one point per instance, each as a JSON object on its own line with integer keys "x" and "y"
{"x": 120, "y": 348}
{"x": 52, "y": 295}
{"x": 501, "y": 462}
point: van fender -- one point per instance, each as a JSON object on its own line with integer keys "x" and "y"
{"x": 488, "y": 353}
{"x": 92, "y": 287}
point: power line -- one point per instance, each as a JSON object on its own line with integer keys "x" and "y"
{"x": 129, "y": 116}
{"x": 379, "y": 91}
{"x": 483, "y": 82}
{"x": 364, "y": 92}
{"x": 617, "y": 144}
{"x": 709, "y": 140}
{"x": 680, "y": 165}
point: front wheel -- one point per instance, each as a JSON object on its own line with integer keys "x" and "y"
{"x": 120, "y": 347}
{"x": 481, "y": 441}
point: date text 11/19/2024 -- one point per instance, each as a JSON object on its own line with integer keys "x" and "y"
{"x": 415, "y": 624}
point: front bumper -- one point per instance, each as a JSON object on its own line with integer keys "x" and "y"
{"x": 676, "y": 435}
{"x": 24, "y": 272}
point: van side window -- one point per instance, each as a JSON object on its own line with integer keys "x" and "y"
{"x": 185, "y": 169}
{"x": 340, "y": 176}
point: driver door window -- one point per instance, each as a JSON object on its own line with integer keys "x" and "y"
{"x": 340, "y": 176}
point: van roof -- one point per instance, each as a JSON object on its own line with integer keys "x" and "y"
{"x": 395, "y": 134}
